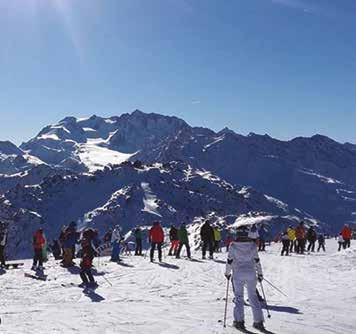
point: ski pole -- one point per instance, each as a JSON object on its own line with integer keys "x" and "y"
{"x": 226, "y": 301}
{"x": 264, "y": 296}
{"x": 274, "y": 287}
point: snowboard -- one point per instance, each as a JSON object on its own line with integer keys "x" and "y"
{"x": 37, "y": 277}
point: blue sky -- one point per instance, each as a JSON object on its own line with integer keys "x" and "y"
{"x": 282, "y": 67}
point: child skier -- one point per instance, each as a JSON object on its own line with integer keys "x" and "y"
{"x": 89, "y": 243}
{"x": 243, "y": 261}
{"x": 85, "y": 270}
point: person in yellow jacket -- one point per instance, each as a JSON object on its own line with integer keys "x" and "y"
{"x": 292, "y": 238}
{"x": 217, "y": 239}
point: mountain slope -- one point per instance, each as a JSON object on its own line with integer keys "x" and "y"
{"x": 316, "y": 174}
{"x": 14, "y": 160}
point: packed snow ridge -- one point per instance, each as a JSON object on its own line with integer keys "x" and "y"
{"x": 180, "y": 296}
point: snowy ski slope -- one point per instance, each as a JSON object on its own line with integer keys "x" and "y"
{"x": 181, "y": 296}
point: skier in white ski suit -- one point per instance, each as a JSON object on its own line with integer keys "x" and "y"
{"x": 244, "y": 263}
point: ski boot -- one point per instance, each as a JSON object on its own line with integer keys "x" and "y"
{"x": 239, "y": 325}
{"x": 259, "y": 326}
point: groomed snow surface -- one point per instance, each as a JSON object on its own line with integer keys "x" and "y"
{"x": 181, "y": 296}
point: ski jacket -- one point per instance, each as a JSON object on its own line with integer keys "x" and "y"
{"x": 87, "y": 261}
{"x": 291, "y": 234}
{"x": 207, "y": 233}
{"x": 156, "y": 234}
{"x": 116, "y": 236}
{"x": 311, "y": 235}
{"x": 39, "y": 240}
{"x": 138, "y": 234}
{"x": 321, "y": 239}
{"x": 217, "y": 234}
{"x": 346, "y": 232}
{"x": 243, "y": 260}
{"x": 300, "y": 232}
{"x": 71, "y": 237}
{"x": 340, "y": 239}
{"x": 285, "y": 237}
{"x": 173, "y": 234}
{"x": 183, "y": 235}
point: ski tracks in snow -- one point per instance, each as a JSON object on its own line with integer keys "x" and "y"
{"x": 181, "y": 296}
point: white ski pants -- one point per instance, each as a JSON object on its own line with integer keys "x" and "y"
{"x": 250, "y": 283}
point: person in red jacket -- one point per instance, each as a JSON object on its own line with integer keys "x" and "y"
{"x": 39, "y": 242}
{"x": 346, "y": 233}
{"x": 156, "y": 238}
{"x": 300, "y": 236}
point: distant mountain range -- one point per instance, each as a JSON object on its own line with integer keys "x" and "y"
{"x": 312, "y": 177}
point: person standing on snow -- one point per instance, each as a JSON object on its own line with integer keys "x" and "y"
{"x": 207, "y": 238}
{"x": 138, "y": 241}
{"x": 244, "y": 264}
{"x": 217, "y": 239}
{"x": 347, "y": 235}
{"x": 285, "y": 243}
{"x": 292, "y": 239}
{"x": 116, "y": 239}
{"x": 321, "y": 242}
{"x": 183, "y": 241}
{"x": 156, "y": 238}
{"x": 340, "y": 241}
{"x": 300, "y": 236}
{"x": 262, "y": 232}
{"x": 89, "y": 244}
{"x": 39, "y": 241}
{"x": 311, "y": 237}
{"x": 71, "y": 238}
{"x": 173, "y": 237}
{"x": 3, "y": 239}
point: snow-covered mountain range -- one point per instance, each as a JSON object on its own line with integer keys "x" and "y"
{"x": 79, "y": 168}
{"x": 132, "y": 194}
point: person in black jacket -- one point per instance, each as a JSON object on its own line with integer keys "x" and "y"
{"x": 173, "y": 237}
{"x": 207, "y": 238}
{"x": 321, "y": 242}
{"x": 311, "y": 237}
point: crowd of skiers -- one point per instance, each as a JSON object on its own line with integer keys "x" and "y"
{"x": 299, "y": 240}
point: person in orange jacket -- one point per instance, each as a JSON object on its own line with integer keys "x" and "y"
{"x": 156, "y": 238}
{"x": 346, "y": 233}
{"x": 38, "y": 243}
{"x": 300, "y": 236}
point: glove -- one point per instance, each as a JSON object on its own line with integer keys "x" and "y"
{"x": 228, "y": 276}
{"x": 260, "y": 277}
